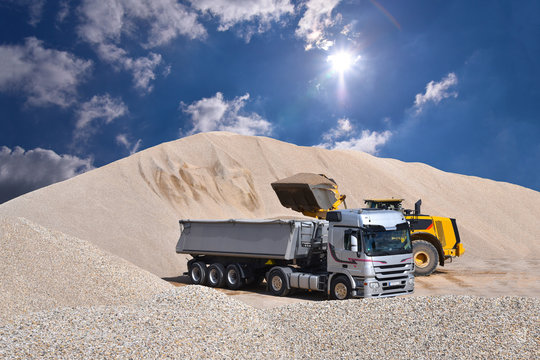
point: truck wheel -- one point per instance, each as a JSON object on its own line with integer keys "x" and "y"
{"x": 233, "y": 277}
{"x": 277, "y": 283}
{"x": 197, "y": 273}
{"x": 425, "y": 258}
{"x": 216, "y": 275}
{"x": 340, "y": 288}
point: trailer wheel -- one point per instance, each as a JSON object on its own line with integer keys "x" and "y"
{"x": 425, "y": 258}
{"x": 216, "y": 275}
{"x": 340, "y": 288}
{"x": 233, "y": 277}
{"x": 277, "y": 283}
{"x": 197, "y": 273}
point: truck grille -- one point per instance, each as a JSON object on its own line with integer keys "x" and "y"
{"x": 393, "y": 278}
{"x": 392, "y": 272}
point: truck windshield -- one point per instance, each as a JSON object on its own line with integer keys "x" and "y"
{"x": 391, "y": 242}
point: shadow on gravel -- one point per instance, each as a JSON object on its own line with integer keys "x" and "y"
{"x": 184, "y": 280}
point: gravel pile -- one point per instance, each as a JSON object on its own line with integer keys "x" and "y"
{"x": 199, "y": 322}
{"x": 43, "y": 269}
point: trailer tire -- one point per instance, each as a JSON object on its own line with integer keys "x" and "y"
{"x": 425, "y": 258}
{"x": 233, "y": 277}
{"x": 277, "y": 283}
{"x": 216, "y": 275}
{"x": 340, "y": 288}
{"x": 197, "y": 273}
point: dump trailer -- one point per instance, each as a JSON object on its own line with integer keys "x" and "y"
{"x": 353, "y": 253}
{"x": 435, "y": 239}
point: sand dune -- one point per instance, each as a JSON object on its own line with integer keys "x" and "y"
{"x": 131, "y": 207}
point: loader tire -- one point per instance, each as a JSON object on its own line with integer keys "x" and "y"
{"x": 216, "y": 275}
{"x": 425, "y": 258}
{"x": 197, "y": 273}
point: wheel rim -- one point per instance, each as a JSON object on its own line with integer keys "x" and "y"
{"x": 213, "y": 276}
{"x": 196, "y": 274}
{"x": 421, "y": 259}
{"x": 341, "y": 291}
{"x": 277, "y": 283}
{"x": 232, "y": 277}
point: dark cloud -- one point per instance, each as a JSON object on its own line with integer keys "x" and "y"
{"x": 24, "y": 171}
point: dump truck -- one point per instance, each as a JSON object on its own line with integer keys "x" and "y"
{"x": 435, "y": 239}
{"x": 352, "y": 253}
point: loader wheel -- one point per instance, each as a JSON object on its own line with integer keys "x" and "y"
{"x": 340, "y": 288}
{"x": 216, "y": 275}
{"x": 277, "y": 283}
{"x": 197, "y": 273}
{"x": 233, "y": 277}
{"x": 425, "y": 258}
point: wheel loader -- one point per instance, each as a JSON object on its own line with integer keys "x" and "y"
{"x": 435, "y": 239}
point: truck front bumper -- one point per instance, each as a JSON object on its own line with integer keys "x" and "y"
{"x": 384, "y": 288}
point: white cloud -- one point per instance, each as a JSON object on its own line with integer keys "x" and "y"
{"x": 231, "y": 13}
{"x": 215, "y": 113}
{"x": 35, "y": 9}
{"x": 122, "y": 139}
{"x": 23, "y": 171}
{"x": 63, "y": 10}
{"x": 45, "y": 76}
{"x": 143, "y": 70}
{"x": 368, "y": 141}
{"x": 316, "y": 20}
{"x": 99, "y": 108}
{"x": 436, "y": 91}
{"x": 343, "y": 128}
{"x": 105, "y": 22}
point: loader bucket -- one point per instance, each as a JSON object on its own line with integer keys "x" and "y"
{"x": 306, "y": 192}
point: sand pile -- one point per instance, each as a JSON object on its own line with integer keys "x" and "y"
{"x": 131, "y": 207}
{"x": 196, "y": 322}
{"x": 43, "y": 269}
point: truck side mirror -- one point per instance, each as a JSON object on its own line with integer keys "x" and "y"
{"x": 354, "y": 243}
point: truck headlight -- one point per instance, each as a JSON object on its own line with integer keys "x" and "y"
{"x": 411, "y": 281}
{"x": 374, "y": 285}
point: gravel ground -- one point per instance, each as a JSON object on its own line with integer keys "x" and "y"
{"x": 199, "y": 322}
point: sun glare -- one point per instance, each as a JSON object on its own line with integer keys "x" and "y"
{"x": 341, "y": 61}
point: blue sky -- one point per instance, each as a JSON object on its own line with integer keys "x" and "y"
{"x": 453, "y": 84}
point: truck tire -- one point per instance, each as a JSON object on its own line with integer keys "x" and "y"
{"x": 216, "y": 275}
{"x": 425, "y": 258}
{"x": 233, "y": 277}
{"x": 277, "y": 283}
{"x": 197, "y": 273}
{"x": 340, "y": 288}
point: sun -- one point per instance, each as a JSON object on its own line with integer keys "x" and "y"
{"x": 342, "y": 61}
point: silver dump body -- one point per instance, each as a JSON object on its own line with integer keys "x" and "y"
{"x": 270, "y": 239}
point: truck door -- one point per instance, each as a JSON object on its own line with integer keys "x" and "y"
{"x": 343, "y": 249}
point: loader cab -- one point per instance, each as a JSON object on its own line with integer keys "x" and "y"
{"x": 384, "y": 204}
